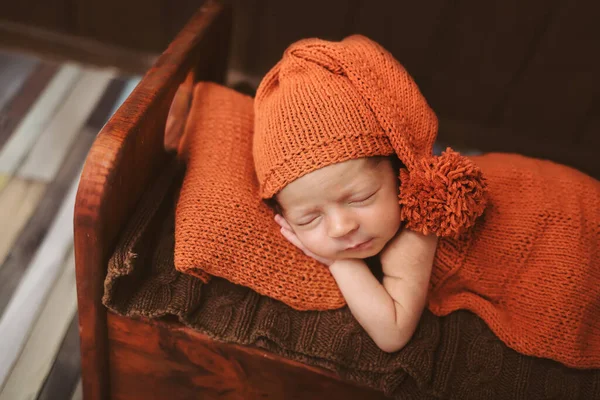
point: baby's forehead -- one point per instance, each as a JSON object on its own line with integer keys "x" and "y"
{"x": 333, "y": 180}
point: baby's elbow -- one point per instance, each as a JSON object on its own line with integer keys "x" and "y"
{"x": 390, "y": 348}
{"x": 391, "y": 345}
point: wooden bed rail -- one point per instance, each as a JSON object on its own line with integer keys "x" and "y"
{"x": 126, "y": 155}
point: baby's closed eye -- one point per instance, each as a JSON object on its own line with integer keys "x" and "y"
{"x": 359, "y": 200}
{"x": 306, "y": 221}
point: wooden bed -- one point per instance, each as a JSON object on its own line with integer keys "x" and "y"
{"x": 126, "y": 358}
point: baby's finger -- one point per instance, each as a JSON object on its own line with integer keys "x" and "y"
{"x": 278, "y": 219}
{"x": 293, "y": 239}
{"x": 289, "y": 235}
{"x": 282, "y": 222}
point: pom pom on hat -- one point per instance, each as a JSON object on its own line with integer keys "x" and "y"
{"x": 442, "y": 195}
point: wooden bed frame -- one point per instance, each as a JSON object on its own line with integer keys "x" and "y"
{"x": 125, "y": 358}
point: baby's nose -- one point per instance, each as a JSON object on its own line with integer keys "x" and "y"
{"x": 341, "y": 224}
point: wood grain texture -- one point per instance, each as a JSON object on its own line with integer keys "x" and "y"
{"x": 52, "y": 14}
{"x": 468, "y": 135}
{"x": 78, "y": 392}
{"x": 46, "y": 156}
{"x": 589, "y": 129}
{"x": 130, "y": 84}
{"x": 35, "y": 361}
{"x": 63, "y": 381}
{"x": 407, "y": 29}
{"x": 476, "y": 50}
{"x": 12, "y": 114}
{"x": 280, "y": 23}
{"x": 92, "y": 16}
{"x": 22, "y": 251}
{"x": 520, "y": 75}
{"x": 111, "y": 98}
{"x": 245, "y": 33}
{"x": 4, "y": 179}
{"x": 129, "y": 151}
{"x": 178, "y": 113}
{"x": 124, "y": 159}
{"x": 18, "y": 202}
{"x": 14, "y": 71}
{"x": 37, "y": 118}
{"x": 33, "y": 290}
{"x": 159, "y": 359}
{"x": 61, "y": 47}
{"x": 557, "y": 86}
{"x": 134, "y": 24}
{"x": 33, "y": 233}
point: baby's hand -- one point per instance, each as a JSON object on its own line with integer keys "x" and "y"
{"x": 288, "y": 233}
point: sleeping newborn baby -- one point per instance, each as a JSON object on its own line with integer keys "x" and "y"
{"x": 346, "y": 212}
{"x": 342, "y": 149}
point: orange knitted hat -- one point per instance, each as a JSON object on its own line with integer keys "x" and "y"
{"x": 328, "y": 102}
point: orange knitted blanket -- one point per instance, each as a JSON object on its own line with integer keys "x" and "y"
{"x": 531, "y": 266}
{"x": 454, "y": 357}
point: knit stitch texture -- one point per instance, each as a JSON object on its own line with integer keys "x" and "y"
{"x": 529, "y": 268}
{"x": 326, "y": 102}
{"x": 223, "y": 227}
{"x": 452, "y": 357}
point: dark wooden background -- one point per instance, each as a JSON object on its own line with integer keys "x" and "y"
{"x": 125, "y": 33}
{"x": 144, "y": 25}
{"x": 502, "y": 75}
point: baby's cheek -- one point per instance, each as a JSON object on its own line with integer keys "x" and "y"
{"x": 387, "y": 217}
{"x": 307, "y": 239}
{"x": 315, "y": 242}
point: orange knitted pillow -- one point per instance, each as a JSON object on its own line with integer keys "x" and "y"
{"x": 222, "y": 226}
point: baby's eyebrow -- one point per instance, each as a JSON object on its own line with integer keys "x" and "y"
{"x": 358, "y": 190}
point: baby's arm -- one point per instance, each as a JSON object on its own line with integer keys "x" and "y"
{"x": 389, "y": 312}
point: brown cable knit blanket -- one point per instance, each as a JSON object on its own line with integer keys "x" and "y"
{"x": 454, "y": 357}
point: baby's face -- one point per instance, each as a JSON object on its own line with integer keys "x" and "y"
{"x": 345, "y": 210}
